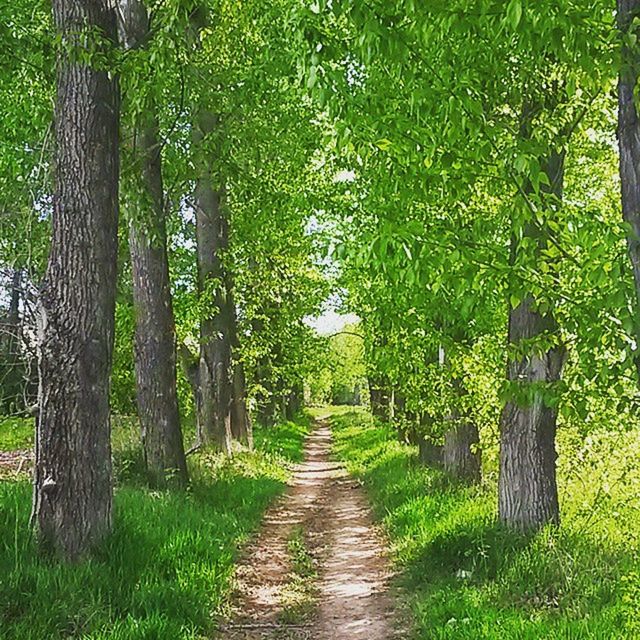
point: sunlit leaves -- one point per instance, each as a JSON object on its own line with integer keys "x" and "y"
{"x": 514, "y": 13}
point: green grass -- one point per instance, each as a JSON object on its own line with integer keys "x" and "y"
{"x": 287, "y": 444}
{"x": 16, "y": 433}
{"x": 467, "y": 578}
{"x": 166, "y": 571}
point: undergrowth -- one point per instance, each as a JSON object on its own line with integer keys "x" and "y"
{"x": 468, "y": 578}
{"x": 165, "y": 573}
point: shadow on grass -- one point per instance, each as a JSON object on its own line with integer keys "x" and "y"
{"x": 468, "y": 577}
{"x": 167, "y": 569}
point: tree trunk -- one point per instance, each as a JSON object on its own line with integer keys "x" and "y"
{"x": 215, "y": 348}
{"x": 379, "y": 398}
{"x": 458, "y": 455}
{"x": 527, "y": 490}
{"x": 72, "y": 479}
{"x": 430, "y": 454}
{"x": 12, "y": 381}
{"x": 268, "y": 409}
{"x": 155, "y": 340}
{"x": 155, "y": 362}
{"x": 461, "y": 453}
{"x": 294, "y": 401}
{"x": 241, "y": 427}
{"x": 399, "y": 415}
{"x": 629, "y": 143}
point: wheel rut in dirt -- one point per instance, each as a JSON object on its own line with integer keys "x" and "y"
{"x": 348, "y": 596}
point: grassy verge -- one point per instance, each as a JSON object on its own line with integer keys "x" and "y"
{"x": 165, "y": 573}
{"x": 467, "y": 578}
{"x": 298, "y": 599}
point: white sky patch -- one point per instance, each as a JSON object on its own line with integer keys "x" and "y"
{"x": 330, "y": 322}
{"x": 344, "y": 176}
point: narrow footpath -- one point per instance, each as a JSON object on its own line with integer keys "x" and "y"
{"x": 324, "y": 518}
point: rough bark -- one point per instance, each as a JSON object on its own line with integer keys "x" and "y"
{"x": 527, "y": 491}
{"x": 268, "y": 406}
{"x": 460, "y": 454}
{"x": 629, "y": 143}
{"x": 72, "y": 478}
{"x": 190, "y": 364}
{"x": 398, "y": 415}
{"x": 155, "y": 340}
{"x": 212, "y": 239}
{"x": 430, "y": 454}
{"x": 241, "y": 427}
{"x": 269, "y": 409}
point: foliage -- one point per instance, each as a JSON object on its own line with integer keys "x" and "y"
{"x": 392, "y": 154}
{"x": 25, "y": 94}
{"x": 236, "y": 61}
{"x": 341, "y": 379}
{"x": 440, "y": 177}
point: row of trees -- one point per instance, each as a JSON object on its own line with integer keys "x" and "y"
{"x": 181, "y": 132}
{"x": 464, "y": 155}
{"x": 481, "y": 222}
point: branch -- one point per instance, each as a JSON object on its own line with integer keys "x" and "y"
{"x": 346, "y": 333}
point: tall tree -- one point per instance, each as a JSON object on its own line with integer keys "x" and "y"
{"x": 628, "y": 15}
{"x": 212, "y": 238}
{"x": 214, "y": 395}
{"x": 527, "y": 489}
{"x": 72, "y": 481}
{"x": 155, "y": 339}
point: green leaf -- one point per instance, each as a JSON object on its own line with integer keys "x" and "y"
{"x": 313, "y": 76}
{"x": 384, "y": 144}
{"x": 514, "y": 13}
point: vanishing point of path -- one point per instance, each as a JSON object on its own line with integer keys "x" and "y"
{"x": 348, "y": 593}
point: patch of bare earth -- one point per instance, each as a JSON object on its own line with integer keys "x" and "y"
{"x": 351, "y": 588}
{"x": 15, "y": 464}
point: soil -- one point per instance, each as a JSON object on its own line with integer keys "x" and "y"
{"x": 351, "y": 588}
{"x": 15, "y": 463}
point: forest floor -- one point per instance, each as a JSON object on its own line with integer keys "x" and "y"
{"x": 318, "y": 569}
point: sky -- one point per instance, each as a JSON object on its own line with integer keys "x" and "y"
{"x": 331, "y": 322}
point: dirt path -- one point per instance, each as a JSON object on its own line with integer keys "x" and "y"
{"x": 348, "y": 596}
